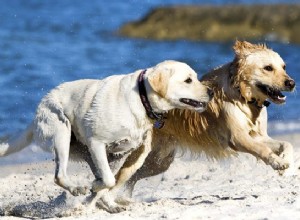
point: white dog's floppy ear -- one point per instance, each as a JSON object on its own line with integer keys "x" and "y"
{"x": 159, "y": 79}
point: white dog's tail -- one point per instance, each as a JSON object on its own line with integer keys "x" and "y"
{"x": 17, "y": 143}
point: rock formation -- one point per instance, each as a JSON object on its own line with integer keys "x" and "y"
{"x": 219, "y": 23}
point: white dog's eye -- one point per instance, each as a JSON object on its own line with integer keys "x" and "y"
{"x": 284, "y": 67}
{"x": 188, "y": 80}
{"x": 268, "y": 68}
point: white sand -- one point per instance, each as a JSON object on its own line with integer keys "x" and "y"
{"x": 239, "y": 188}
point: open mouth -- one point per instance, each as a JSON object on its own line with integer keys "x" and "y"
{"x": 193, "y": 103}
{"x": 273, "y": 94}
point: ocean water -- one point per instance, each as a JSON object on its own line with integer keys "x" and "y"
{"x": 45, "y": 43}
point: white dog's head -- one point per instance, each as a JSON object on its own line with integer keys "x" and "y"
{"x": 178, "y": 85}
{"x": 261, "y": 73}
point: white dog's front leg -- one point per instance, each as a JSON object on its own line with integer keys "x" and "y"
{"x": 134, "y": 163}
{"x": 107, "y": 201}
{"x": 105, "y": 198}
{"x": 99, "y": 157}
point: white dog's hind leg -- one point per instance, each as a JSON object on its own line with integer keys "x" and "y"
{"x": 61, "y": 141}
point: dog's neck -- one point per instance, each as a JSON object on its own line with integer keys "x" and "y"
{"x": 259, "y": 104}
{"x": 147, "y": 96}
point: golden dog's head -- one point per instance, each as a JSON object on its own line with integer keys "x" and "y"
{"x": 260, "y": 73}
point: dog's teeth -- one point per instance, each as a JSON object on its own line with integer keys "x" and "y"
{"x": 281, "y": 98}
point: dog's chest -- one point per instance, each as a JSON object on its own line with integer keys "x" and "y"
{"x": 121, "y": 144}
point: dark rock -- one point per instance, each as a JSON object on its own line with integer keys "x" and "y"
{"x": 219, "y": 23}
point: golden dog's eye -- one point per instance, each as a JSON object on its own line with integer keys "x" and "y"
{"x": 188, "y": 80}
{"x": 284, "y": 67}
{"x": 268, "y": 68}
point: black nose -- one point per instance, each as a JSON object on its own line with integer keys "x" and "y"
{"x": 210, "y": 93}
{"x": 290, "y": 83}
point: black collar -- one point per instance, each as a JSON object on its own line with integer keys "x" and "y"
{"x": 254, "y": 102}
{"x": 158, "y": 117}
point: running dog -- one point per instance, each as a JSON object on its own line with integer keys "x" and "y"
{"x": 236, "y": 118}
{"x": 110, "y": 116}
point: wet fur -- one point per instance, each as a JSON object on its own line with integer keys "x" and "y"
{"x": 232, "y": 122}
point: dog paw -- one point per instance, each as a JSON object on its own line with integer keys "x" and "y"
{"x": 116, "y": 209}
{"x": 278, "y": 163}
{"x": 125, "y": 201}
{"x": 97, "y": 186}
{"x": 107, "y": 203}
{"x": 111, "y": 208}
{"x": 290, "y": 171}
{"x": 79, "y": 190}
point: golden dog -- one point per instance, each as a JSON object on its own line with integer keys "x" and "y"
{"x": 236, "y": 118}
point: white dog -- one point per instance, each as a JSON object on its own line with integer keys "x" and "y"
{"x": 113, "y": 115}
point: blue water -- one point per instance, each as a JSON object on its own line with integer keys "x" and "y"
{"x": 45, "y": 43}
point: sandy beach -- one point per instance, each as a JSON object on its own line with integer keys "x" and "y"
{"x": 237, "y": 188}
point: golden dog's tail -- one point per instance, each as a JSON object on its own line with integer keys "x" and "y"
{"x": 17, "y": 143}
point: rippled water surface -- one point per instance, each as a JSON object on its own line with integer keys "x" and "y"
{"x": 45, "y": 43}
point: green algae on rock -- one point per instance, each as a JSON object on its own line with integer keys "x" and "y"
{"x": 219, "y": 23}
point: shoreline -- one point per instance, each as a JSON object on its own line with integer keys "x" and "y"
{"x": 37, "y": 153}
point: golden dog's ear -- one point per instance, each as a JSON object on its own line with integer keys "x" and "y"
{"x": 158, "y": 80}
{"x": 245, "y": 91}
{"x": 244, "y": 48}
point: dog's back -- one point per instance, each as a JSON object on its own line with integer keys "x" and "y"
{"x": 63, "y": 102}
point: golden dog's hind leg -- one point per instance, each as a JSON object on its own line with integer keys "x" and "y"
{"x": 155, "y": 164}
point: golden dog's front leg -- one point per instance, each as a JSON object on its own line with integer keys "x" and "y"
{"x": 245, "y": 143}
{"x": 284, "y": 150}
